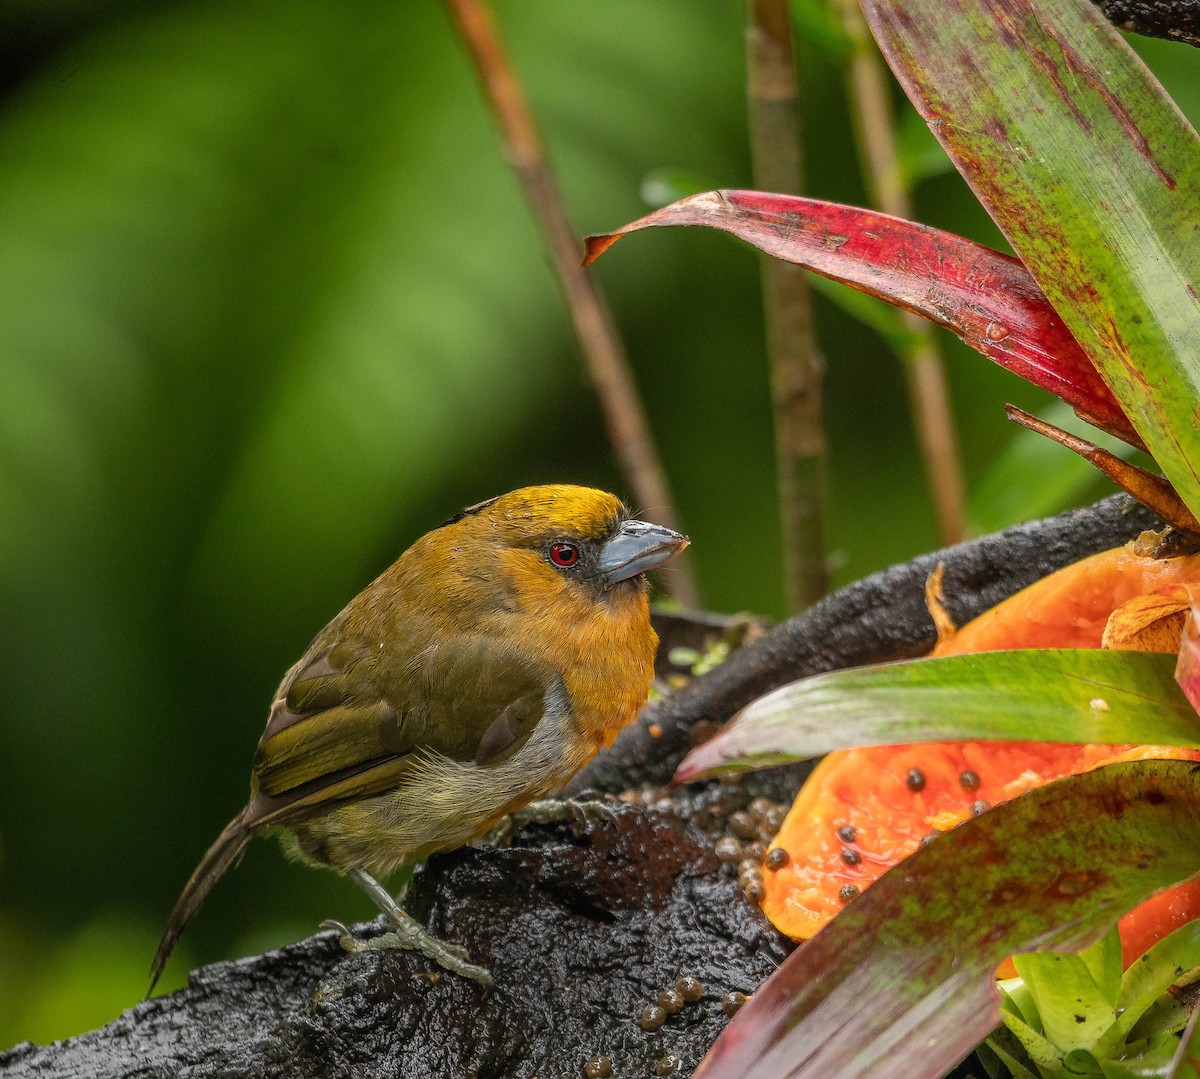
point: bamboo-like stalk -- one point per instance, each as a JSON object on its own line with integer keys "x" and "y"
{"x": 875, "y": 130}
{"x": 595, "y": 328}
{"x": 796, "y": 364}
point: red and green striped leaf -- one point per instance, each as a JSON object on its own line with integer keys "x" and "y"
{"x": 1044, "y": 695}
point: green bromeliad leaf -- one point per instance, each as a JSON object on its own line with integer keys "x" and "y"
{"x": 1046, "y": 695}
{"x": 1071, "y": 1015}
{"x": 1092, "y": 174}
{"x": 1186, "y": 1064}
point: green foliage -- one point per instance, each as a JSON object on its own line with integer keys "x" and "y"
{"x": 1075, "y": 1015}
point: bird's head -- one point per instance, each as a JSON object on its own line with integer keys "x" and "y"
{"x": 560, "y": 538}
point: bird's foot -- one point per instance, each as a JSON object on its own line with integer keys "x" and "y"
{"x": 409, "y": 934}
{"x": 550, "y": 811}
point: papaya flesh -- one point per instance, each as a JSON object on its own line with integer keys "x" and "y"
{"x": 863, "y": 810}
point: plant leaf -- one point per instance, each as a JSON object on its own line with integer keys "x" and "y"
{"x": 1074, "y": 1009}
{"x": 901, "y": 982}
{"x": 1103, "y": 960}
{"x": 1040, "y": 1049}
{"x": 1186, "y": 1064}
{"x": 1043, "y": 695}
{"x": 1187, "y": 670}
{"x": 1151, "y": 975}
{"x": 1091, "y": 173}
{"x": 986, "y": 298}
{"x": 1008, "y": 1050}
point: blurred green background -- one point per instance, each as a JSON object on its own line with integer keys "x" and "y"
{"x": 271, "y": 306}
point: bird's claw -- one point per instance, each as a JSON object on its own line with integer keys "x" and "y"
{"x": 590, "y": 812}
{"x": 347, "y": 940}
{"x": 409, "y": 936}
{"x": 551, "y": 811}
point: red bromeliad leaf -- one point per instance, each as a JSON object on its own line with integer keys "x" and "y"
{"x": 901, "y": 982}
{"x": 987, "y": 298}
{"x": 1187, "y": 670}
{"x": 1092, "y": 174}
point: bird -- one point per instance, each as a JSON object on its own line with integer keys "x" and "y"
{"x": 469, "y": 681}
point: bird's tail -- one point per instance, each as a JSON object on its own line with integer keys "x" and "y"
{"x": 211, "y": 868}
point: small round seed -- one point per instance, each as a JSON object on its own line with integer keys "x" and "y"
{"x": 689, "y": 988}
{"x": 754, "y": 851}
{"x": 850, "y": 856}
{"x": 754, "y": 890}
{"x": 742, "y": 825}
{"x": 598, "y": 1068}
{"x": 915, "y": 780}
{"x": 969, "y": 780}
{"x": 848, "y": 892}
{"x": 980, "y": 807}
{"x": 775, "y": 817}
{"x": 755, "y": 877}
{"x": 758, "y": 807}
{"x": 670, "y": 1000}
{"x": 776, "y": 858}
{"x": 652, "y": 1018}
{"x": 667, "y": 1065}
{"x": 731, "y": 1002}
{"x": 846, "y": 833}
{"x": 728, "y": 849}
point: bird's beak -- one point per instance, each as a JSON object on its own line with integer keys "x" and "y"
{"x": 636, "y": 547}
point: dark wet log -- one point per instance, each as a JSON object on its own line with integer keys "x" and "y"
{"x": 581, "y": 934}
{"x": 1175, "y": 20}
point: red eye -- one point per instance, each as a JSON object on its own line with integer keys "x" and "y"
{"x": 564, "y": 554}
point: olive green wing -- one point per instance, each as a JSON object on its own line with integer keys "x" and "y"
{"x": 348, "y": 724}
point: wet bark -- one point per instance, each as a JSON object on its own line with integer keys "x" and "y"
{"x": 1175, "y": 20}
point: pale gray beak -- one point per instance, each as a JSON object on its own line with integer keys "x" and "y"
{"x": 636, "y": 547}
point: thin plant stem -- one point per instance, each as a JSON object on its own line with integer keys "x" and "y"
{"x": 599, "y": 341}
{"x": 924, "y": 368}
{"x": 796, "y": 366}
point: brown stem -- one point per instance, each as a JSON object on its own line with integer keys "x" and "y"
{"x": 595, "y": 328}
{"x": 874, "y": 123}
{"x": 796, "y": 365}
{"x": 1150, "y": 490}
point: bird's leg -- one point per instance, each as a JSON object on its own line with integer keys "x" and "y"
{"x": 406, "y": 933}
{"x": 550, "y": 811}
